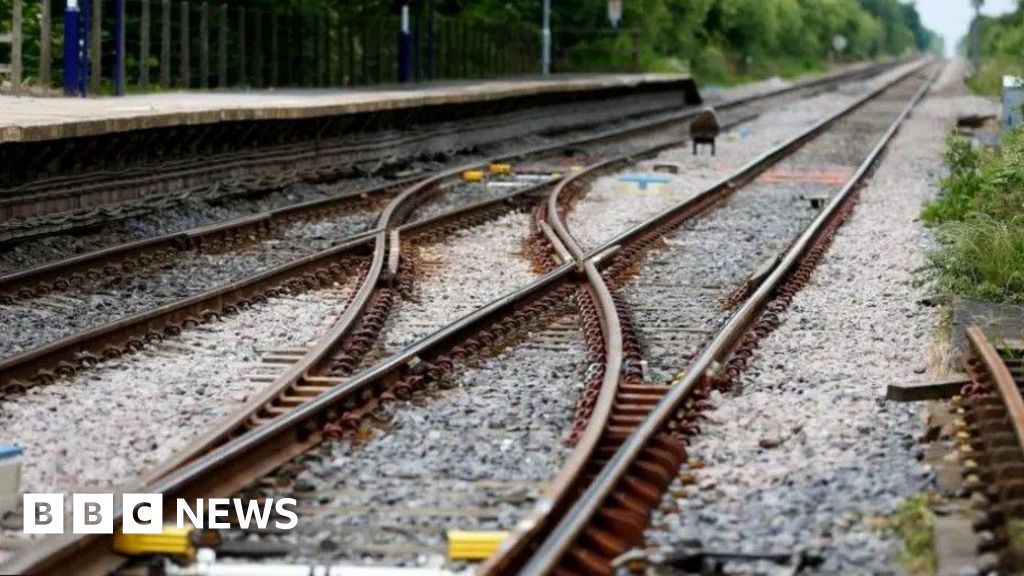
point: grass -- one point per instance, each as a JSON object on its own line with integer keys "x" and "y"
{"x": 982, "y": 257}
{"x": 914, "y": 523}
{"x": 979, "y": 221}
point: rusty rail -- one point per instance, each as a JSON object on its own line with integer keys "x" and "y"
{"x": 232, "y": 465}
{"x": 52, "y": 275}
{"x": 1000, "y": 375}
{"x": 575, "y": 543}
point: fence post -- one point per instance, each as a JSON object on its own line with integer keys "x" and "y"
{"x": 186, "y": 73}
{"x": 241, "y": 47}
{"x": 144, "y": 44}
{"x": 96, "y": 50}
{"x": 119, "y": 47}
{"x": 204, "y": 45}
{"x": 45, "y": 45}
{"x": 16, "y": 63}
{"x": 222, "y": 47}
{"x": 165, "y": 45}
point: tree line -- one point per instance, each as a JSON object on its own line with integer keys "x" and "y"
{"x": 999, "y": 49}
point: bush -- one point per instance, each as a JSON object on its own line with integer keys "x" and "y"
{"x": 982, "y": 257}
{"x": 960, "y": 186}
{"x": 980, "y": 220}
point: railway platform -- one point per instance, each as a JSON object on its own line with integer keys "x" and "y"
{"x": 34, "y": 119}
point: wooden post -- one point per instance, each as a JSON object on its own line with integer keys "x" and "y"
{"x": 16, "y": 63}
{"x": 204, "y": 45}
{"x": 241, "y": 48}
{"x": 95, "y": 54}
{"x": 186, "y": 72}
{"x": 222, "y": 47}
{"x": 275, "y": 54}
{"x": 144, "y": 45}
{"x": 257, "y": 33}
{"x": 45, "y": 45}
{"x": 165, "y": 45}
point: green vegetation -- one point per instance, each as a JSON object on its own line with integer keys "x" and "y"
{"x": 720, "y": 41}
{"x": 914, "y": 522}
{"x": 999, "y": 49}
{"x": 980, "y": 220}
{"x": 727, "y": 40}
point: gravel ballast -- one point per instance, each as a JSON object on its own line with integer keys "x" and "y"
{"x": 611, "y": 206}
{"x": 474, "y": 456}
{"x": 44, "y": 319}
{"x": 465, "y": 271}
{"x": 806, "y": 452}
{"x": 104, "y": 426}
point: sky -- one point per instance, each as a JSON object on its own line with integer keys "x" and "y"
{"x": 950, "y": 18}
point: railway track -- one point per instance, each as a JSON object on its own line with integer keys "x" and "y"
{"x": 73, "y": 202}
{"x": 326, "y": 405}
{"x": 990, "y": 433}
{"x": 633, "y": 457}
{"x": 148, "y": 266}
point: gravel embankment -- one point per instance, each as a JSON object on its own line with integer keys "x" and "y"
{"x": 41, "y": 320}
{"x": 103, "y": 427}
{"x": 611, "y": 206}
{"x": 475, "y": 456}
{"x": 806, "y": 452}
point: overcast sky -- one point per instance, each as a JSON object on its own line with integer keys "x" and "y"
{"x": 950, "y": 18}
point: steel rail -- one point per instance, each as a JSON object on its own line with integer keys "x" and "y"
{"x": 1004, "y": 382}
{"x": 397, "y": 210}
{"x": 228, "y": 467}
{"x": 386, "y": 248}
{"x": 65, "y": 356}
{"x": 552, "y": 550}
{"x": 51, "y": 272}
{"x": 561, "y": 487}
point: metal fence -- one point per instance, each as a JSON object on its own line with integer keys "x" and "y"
{"x": 168, "y": 44}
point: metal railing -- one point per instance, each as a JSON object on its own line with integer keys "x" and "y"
{"x": 148, "y": 45}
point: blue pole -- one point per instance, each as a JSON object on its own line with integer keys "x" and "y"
{"x": 84, "y": 66}
{"x": 405, "y": 48}
{"x": 119, "y": 47}
{"x": 73, "y": 85}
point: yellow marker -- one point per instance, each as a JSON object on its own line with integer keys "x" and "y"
{"x": 503, "y": 169}
{"x": 576, "y": 169}
{"x": 465, "y": 545}
{"x": 173, "y": 541}
{"x": 473, "y": 175}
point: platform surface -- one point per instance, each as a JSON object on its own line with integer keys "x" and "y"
{"x": 29, "y": 118}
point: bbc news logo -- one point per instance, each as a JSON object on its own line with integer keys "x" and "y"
{"x": 144, "y": 513}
